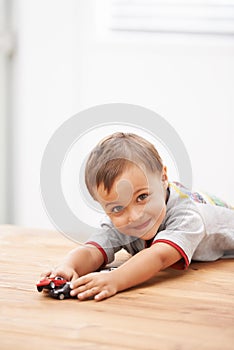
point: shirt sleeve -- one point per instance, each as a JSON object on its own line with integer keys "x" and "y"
{"x": 184, "y": 230}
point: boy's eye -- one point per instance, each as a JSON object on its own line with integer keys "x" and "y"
{"x": 142, "y": 197}
{"x": 117, "y": 209}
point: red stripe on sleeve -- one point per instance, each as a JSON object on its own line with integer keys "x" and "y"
{"x": 181, "y": 264}
{"x": 100, "y": 249}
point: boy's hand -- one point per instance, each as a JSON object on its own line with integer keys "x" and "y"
{"x": 99, "y": 285}
{"x": 64, "y": 271}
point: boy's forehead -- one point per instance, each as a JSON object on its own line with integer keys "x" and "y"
{"x": 133, "y": 176}
{"x": 128, "y": 183}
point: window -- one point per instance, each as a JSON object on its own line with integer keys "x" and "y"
{"x": 209, "y": 17}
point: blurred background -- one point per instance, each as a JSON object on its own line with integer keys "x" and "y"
{"x": 59, "y": 57}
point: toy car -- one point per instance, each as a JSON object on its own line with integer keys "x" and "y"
{"x": 58, "y": 287}
{"x": 62, "y": 292}
{"x": 50, "y": 283}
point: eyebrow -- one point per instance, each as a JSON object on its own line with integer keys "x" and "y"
{"x": 137, "y": 191}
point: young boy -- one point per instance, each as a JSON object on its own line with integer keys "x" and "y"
{"x": 160, "y": 224}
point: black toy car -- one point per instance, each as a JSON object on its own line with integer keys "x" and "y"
{"x": 62, "y": 292}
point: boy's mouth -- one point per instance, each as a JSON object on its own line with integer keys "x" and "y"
{"x": 142, "y": 226}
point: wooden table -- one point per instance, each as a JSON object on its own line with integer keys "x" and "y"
{"x": 174, "y": 311}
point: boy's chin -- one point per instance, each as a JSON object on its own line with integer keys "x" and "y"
{"x": 148, "y": 235}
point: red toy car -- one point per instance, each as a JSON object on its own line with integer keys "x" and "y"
{"x": 50, "y": 283}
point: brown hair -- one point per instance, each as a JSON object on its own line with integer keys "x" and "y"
{"x": 111, "y": 157}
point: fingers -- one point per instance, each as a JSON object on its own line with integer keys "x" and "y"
{"x": 60, "y": 273}
{"x": 90, "y": 293}
{"x": 52, "y": 274}
{"x": 94, "y": 292}
{"x": 82, "y": 281}
{"x": 64, "y": 271}
{"x": 102, "y": 295}
{"x": 83, "y": 287}
{"x": 94, "y": 285}
{"x": 46, "y": 274}
{"x": 74, "y": 277}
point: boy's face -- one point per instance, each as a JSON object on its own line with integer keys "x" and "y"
{"x": 136, "y": 203}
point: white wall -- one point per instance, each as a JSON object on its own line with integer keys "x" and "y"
{"x": 62, "y": 67}
{"x": 43, "y": 95}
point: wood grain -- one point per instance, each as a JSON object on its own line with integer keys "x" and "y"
{"x": 174, "y": 311}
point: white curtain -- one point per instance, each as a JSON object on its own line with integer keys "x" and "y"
{"x": 5, "y": 48}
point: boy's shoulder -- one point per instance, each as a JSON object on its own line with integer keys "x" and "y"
{"x": 182, "y": 208}
{"x": 193, "y": 207}
{"x": 181, "y": 199}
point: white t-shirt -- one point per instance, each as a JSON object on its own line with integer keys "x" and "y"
{"x": 198, "y": 226}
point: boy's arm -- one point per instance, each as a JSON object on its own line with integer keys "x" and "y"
{"x": 85, "y": 259}
{"x": 138, "y": 269}
{"x": 146, "y": 264}
{"x": 78, "y": 262}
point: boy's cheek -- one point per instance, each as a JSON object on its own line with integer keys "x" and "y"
{"x": 118, "y": 225}
{"x": 118, "y": 222}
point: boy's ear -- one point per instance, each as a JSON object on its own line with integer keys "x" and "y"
{"x": 164, "y": 177}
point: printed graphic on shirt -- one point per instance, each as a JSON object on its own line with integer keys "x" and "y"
{"x": 199, "y": 197}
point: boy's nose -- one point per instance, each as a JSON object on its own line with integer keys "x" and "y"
{"x": 135, "y": 214}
